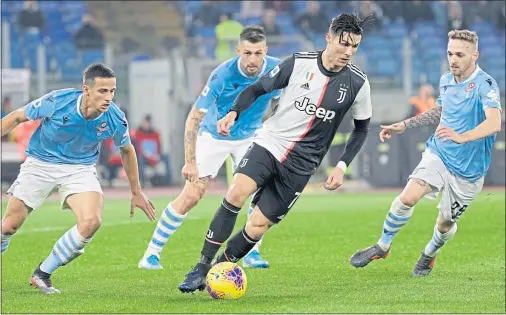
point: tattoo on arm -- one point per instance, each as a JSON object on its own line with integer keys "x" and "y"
{"x": 431, "y": 116}
{"x": 190, "y": 135}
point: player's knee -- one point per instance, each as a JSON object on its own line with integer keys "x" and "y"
{"x": 408, "y": 199}
{"x": 89, "y": 225}
{"x": 444, "y": 226}
{"x": 242, "y": 187}
{"x": 10, "y": 226}
{"x": 14, "y": 218}
{"x": 238, "y": 194}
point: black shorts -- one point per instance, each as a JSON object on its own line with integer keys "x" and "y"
{"x": 278, "y": 187}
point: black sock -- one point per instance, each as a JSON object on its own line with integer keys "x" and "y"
{"x": 237, "y": 247}
{"x": 219, "y": 231}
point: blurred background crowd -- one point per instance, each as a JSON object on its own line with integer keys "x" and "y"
{"x": 163, "y": 51}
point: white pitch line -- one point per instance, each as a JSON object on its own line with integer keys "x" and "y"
{"x": 104, "y": 225}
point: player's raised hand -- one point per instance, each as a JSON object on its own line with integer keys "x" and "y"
{"x": 387, "y": 131}
{"x": 335, "y": 179}
{"x": 139, "y": 200}
{"x": 446, "y": 134}
{"x": 226, "y": 123}
{"x": 190, "y": 172}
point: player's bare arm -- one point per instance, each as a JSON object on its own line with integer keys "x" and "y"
{"x": 139, "y": 200}
{"x": 429, "y": 117}
{"x": 13, "y": 119}
{"x": 491, "y": 125}
{"x": 189, "y": 171}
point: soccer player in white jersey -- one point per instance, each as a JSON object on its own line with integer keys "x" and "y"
{"x": 318, "y": 89}
{"x": 206, "y": 150}
{"x": 61, "y": 157}
{"x": 457, "y": 156}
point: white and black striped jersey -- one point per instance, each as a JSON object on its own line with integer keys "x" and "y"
{"x": 312, "y": 104}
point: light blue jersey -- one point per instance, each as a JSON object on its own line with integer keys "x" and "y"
{"x": 223, "y": 86}
{"x": 64, "y": 136}
{"x": 463, "y": 109}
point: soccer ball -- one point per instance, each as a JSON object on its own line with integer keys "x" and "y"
{"x": 226, "y": 281}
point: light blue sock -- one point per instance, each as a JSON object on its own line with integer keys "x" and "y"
{"x": 438, "y": 240}
{"x": 397, "y": 217}
{"x": 169, "y": 222}
{"x": 67, "y": 248}
{"x": 5, "y": 242}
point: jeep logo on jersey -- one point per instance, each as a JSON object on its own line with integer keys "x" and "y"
{"x": 312, "y": 109}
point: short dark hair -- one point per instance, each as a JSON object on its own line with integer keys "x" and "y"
{"x": 97, "y": 70}
{"x": 350, "y": 23}
{"x": 253, "y": 34}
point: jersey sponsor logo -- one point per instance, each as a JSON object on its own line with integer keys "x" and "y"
{"x": 273, "y": 72}
{"x": 305, "y": 86}
{"x": 65, "y": 120}
{"x": 312, "y": 109}
{"x": 235, "y": 85}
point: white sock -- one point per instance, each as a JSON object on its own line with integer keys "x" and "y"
{"x": 169, "y": 222}
{"x": 438, "y": 240}
{"x": 397, "y": 217}
{"x": 67, "y": 248}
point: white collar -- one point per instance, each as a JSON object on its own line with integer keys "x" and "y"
{"x": 471, "y": 77}
{"x": 79, "y": 109}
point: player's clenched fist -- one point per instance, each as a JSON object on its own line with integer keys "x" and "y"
{"x": 226, "y": 123}
{"x": 190, "y": 172}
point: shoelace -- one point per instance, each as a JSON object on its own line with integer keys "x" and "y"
{"x": 425, "y": 261}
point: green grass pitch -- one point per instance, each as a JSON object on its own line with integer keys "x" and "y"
{"x": 308, "y": 252}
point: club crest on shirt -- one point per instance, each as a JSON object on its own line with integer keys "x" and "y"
{"x": 102, "y": 128}
{"x": 470, "y": 87}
